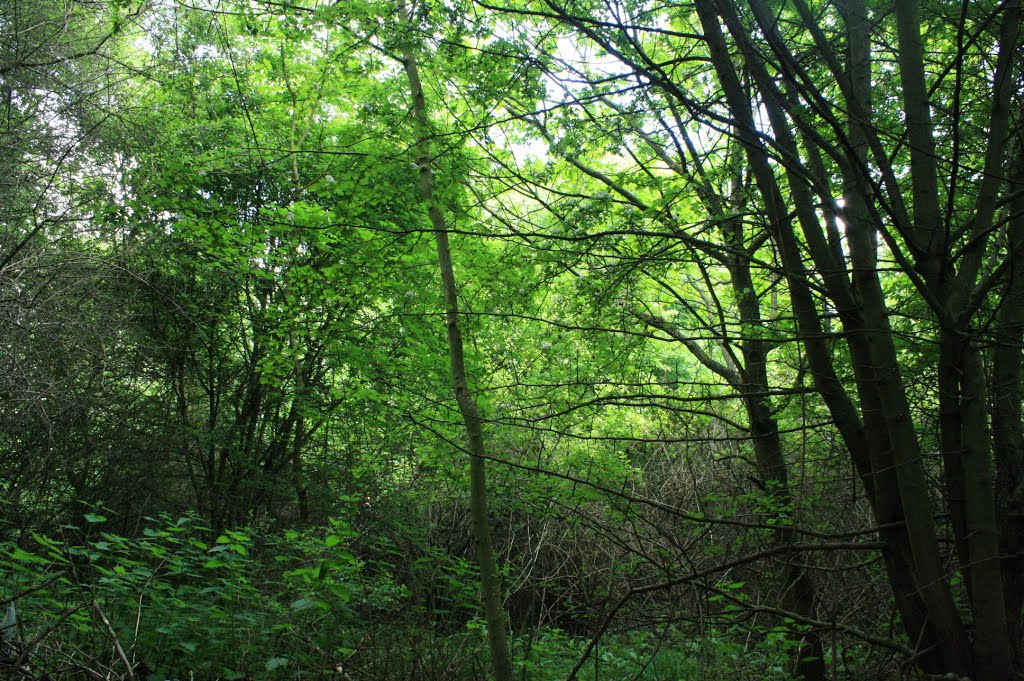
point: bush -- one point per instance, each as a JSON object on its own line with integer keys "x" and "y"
{"x": 179, "y": 606}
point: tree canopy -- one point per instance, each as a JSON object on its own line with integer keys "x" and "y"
{"x": 650, "y": 340}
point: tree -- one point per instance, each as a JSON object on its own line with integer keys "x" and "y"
{"x": 846, "y": 123}
{"x": 737, "y": 315}
{"x": 64, "y": 346}
{"x": 491, "y": 595}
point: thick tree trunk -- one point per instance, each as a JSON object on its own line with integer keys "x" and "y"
{"x": 862, "y": 235}
{"x": 898, "y": 467}
{"x": 1007, "y": 430}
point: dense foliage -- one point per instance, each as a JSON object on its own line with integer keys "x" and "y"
{"x": 537, "y": 340}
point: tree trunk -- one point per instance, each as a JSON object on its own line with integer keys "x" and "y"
{"x": 501, "y": 659}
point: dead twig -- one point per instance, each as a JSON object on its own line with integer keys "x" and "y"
{"x": 41, "y": 636}
{"x": 113, "y": 638}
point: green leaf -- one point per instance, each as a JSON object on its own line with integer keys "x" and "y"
{"x": 24, "y": 556}
{"x": 95, "y": 518}
{"x": 276, "y": 663}
{"x": 302, "y": 604}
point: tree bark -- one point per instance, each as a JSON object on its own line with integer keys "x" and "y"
{"x": 1008, "y": 433}
{"x": 900, "y": 482}
{"x": 501, "y": 659}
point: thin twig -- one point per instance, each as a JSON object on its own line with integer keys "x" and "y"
{"x": 31, "y": 645}
{"x": 113, "y": 638}
{"x": 39, "y": 587}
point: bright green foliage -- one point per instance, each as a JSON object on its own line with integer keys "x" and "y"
{"x": 240, "y": 605}
{"x": 227, "y": 439}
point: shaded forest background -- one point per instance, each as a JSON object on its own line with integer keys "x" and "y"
{"x": 736, "y": 288}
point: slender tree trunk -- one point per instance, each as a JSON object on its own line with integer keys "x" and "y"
{"x": 501, "y": 658}
{"x": 797, "y": 587}
{"x": 798, "y": 590}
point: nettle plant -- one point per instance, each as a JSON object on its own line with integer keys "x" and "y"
{"x": 175, "y": 603}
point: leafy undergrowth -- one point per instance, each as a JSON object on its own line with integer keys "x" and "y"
{"x": 171, "y": 605}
